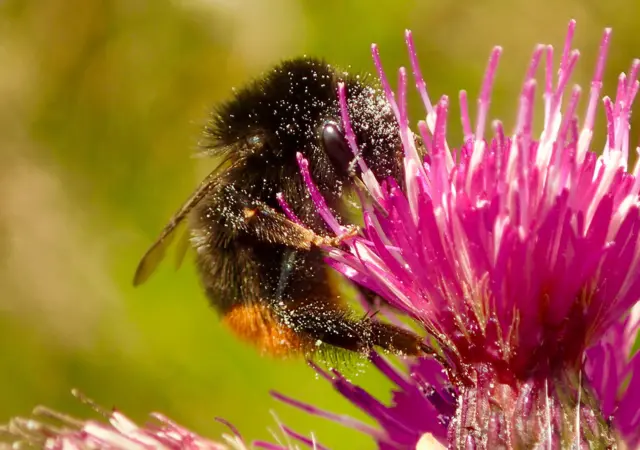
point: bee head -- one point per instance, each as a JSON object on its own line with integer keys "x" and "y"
{"x": 294, "y": 108}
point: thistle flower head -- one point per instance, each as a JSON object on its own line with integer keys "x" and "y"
{"x": 52, "y": 430}
{"x": 517, "y": 252}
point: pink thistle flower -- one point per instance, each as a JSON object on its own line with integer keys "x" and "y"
{"x": 519, "y": 255}
{"x": 52, "y": 430}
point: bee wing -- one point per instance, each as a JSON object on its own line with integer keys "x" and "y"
{"x": 182, "y": 248}
{"x": 152, "y": 258}
{"x": 157, "y": 251}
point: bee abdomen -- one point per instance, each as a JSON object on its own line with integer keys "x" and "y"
{"x": 257, "y": 324}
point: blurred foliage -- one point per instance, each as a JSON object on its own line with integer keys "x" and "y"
{"x": 100, "y": 108}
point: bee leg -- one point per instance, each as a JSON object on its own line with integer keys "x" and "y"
{"x": 398, "y": 340}
{"x": 334, "y": 326}
{"x": 274, "y": 227}
{"x": 243, "y": 214}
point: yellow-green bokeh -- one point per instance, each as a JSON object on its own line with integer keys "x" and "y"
{"x": 101, "y": 103}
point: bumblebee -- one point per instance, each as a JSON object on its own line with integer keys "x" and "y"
{"x": 263, "y": 272}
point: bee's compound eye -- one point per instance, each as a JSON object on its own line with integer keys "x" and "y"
{"x": 336, "y": 147}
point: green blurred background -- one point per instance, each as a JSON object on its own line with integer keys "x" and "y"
{"x": 101, "y": 103}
